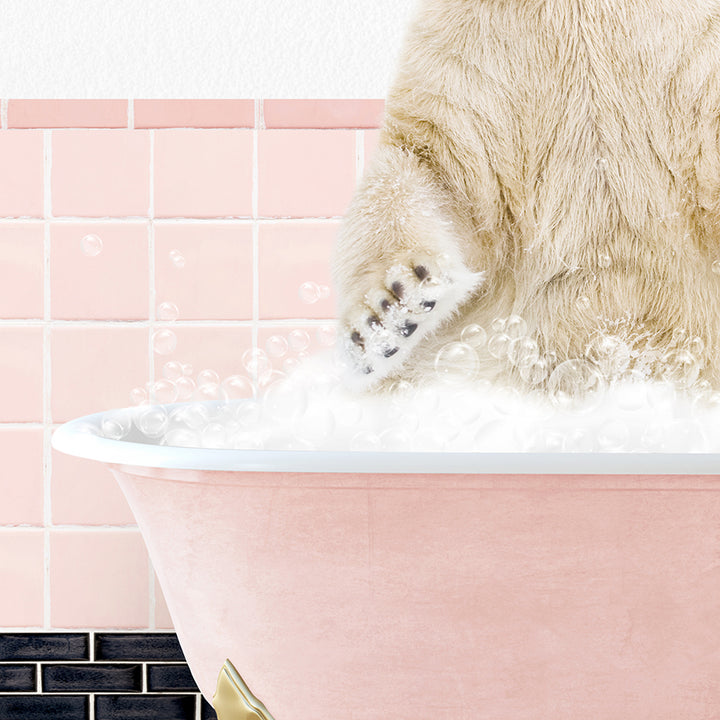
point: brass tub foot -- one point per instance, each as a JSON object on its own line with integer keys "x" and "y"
{"x": 233, "y": 700}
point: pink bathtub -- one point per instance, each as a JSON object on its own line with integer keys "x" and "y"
{"x": 365, "y": 586}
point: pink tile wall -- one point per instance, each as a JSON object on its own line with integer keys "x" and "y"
{"x": 96, "y": 199}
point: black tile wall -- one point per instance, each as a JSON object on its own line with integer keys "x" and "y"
{"x": 108, "y": 675}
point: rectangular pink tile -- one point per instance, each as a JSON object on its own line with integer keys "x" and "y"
{"x": 98, "y": 579}
{"x": 163, "y": 621}
{"x": 371, "y": 141}
{"x": 203, "y": 173}
{"x": 67, "y": 113}
{"x": 21, "y": 374}
{"x": 323, "y": 113}
{"x": 305, "y": 173}
{"x": 209, "y": 348}
{"x": 215, "y": 281}
{"x": 85, "y": 493}
{"x": 99, "y": 271}
{"x": 21, "y": 270}
{"x": 21, "y": 480}
{"x": 290, "y": 256}
{"x": 194, "y": 113}
{"x": 95, "y": 368}
{"x": 21, "y": 182}
{"x": 100, "y": 173}
{"x": 21, "y": 577}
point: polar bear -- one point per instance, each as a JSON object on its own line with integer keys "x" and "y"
{"x": 551, "y": 160}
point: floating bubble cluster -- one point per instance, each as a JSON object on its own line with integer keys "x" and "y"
{"x": 603, "y": 401}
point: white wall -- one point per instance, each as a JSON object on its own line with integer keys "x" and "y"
{"x": 200, "y": 48}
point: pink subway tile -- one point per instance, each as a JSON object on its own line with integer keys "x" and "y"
{"x": 305, "y": 173}
{"x": 99, "y": 173}
{"x": 85, "y": 493}
{"x": 323, "y": 113}
{"x": 203, "y": 173}
{"x": 209, "y": 348}
{"x": 163, "y": 621}
{"x": 21, "y": 270}
{"x": 67, "y": 113}
{"x": 94, "y": 368}
{"x": 21, "y": 481}
{"x": 291, "y": 254}
{"x": 21, "y": 374}
{"x": 300, "y": 340}
{"x": 21, "y": 577}
{"x": 372, "y": 140}
{"x": 21, "y": 182}
{"x": 215, "y": 281}
{"x": 194, "y": 113}
{"x": 98, "y": 579}
{"x": 112, "y": 284}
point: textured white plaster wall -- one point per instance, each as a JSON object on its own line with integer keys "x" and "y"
{"x": 200, "y": 48}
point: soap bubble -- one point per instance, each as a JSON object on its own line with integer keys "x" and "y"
{"x": 456, "y": 363}
{"x": 716, "y": 267}
{"x": 177, "y": 259}
{"x": 534, "y": 371}
{"x": 208, "y": 377}
{"x": 194, "y": 416}
{"x": 609, "y": 353}
{"x": 238, "y": 387}
{"x": 575, "y": 384}
{"x": 164, "y": 341}
{"x": 515, "y": 327}
{"x": 326, "y": 335}
{"x": 152, "y": 421}
{"x": 172, "y": 370}
{"x": 276, "y": 346}
{"x": 290, "y": 364}
{"x": 248, "y": 414}
{"x": 474, "y": 335}
{"x": 92, "y": 245}
{"x": 579, "y": 440}
{"x": 696, "y": 346}
{"x": 613, "y": 436}
{"x": 498, "y": 345}
{"x": 187, "y": 369}
{"x": 163, "y": 391}
{"x": 185, "y": 387}
{"x": 681, "y": 368}
{"x": 213, "y": 435}
{"x": 309, "y": 292}
{"x": 168, "y": 311}
{"x": 298, "y": 340}
{"x": 604, "y": 261}
{"x": 138, "y": 396}
{"x": 523, "y": 351}
{"x": 323, "y": 292}
{"x": 583, "y": 303}
{"x": 181, "y": 437}
{"x": 116, "y": 425}
{"x": 210, "y": 391}
{"x": 256, "y": 362}
{"x": 498, "y": 325}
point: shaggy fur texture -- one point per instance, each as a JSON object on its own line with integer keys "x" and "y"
{"x": 556, "y": 159}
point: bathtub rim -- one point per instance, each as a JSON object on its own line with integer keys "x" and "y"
{"x": 73, "y": 438}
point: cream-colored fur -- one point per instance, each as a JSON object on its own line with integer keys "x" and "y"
{"x": 556, "y": 159}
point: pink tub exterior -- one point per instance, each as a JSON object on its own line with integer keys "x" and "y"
{"x": 342, "y": 596}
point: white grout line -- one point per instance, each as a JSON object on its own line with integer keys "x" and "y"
{"x": 255, "y": 225}
{"x": 35, "y": 322}
{"x": 138, "y": 219}
{"x": 4, "y": 114}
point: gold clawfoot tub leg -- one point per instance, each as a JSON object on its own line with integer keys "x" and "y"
{"x": 233, "y": 700}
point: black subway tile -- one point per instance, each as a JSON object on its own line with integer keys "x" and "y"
{"x": 161, "y": 678}
{"x": 43, "y": 707}
{"x": 44, "y": 646}
{"x": 138, "y": 646}
{"x": 207, "y": 711}
{"x": 92, "y": 678}
{"x": 17, "y": 678}
{"x": 145, "y": 707}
